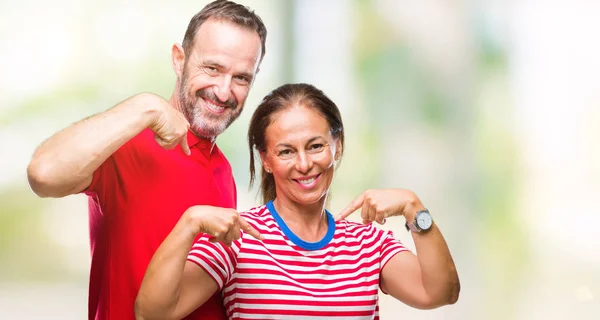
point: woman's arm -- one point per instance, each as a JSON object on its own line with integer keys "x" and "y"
{"x": 172, "y": 287}
{"x": 426, "y": 281}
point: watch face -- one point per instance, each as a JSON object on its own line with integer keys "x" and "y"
{"x": 424, "y": 220}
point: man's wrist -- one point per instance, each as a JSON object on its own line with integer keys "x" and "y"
{"x": 145, "y": 103}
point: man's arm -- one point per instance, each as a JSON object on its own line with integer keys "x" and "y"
{"x": 65, "y": 163}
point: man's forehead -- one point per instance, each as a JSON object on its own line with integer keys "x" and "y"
{"x": 220, "y": 30}
{"x": 228, "y": 45}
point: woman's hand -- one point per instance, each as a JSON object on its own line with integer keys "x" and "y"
{"x": 426, "y": 281}
{"x": 379, "y": 204}
{"x": 223, "y": 224}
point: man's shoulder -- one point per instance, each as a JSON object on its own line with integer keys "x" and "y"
{"x": 139, "y": 147}
{"x": 219, "y": 152}
{"x": 144, "y": 139}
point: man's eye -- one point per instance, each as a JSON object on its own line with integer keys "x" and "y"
{"x": 242, "y": 79}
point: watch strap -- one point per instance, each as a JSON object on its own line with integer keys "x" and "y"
{"x": 413, "y": 227}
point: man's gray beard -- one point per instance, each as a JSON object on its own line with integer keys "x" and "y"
{"x": 197, "y": 119}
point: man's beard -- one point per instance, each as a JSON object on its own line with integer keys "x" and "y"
{"x": 204, "y": 123}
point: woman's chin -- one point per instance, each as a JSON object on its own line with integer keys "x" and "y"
{"x": 308, "y": 200}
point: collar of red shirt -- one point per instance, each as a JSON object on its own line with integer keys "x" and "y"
{"x": 201, "y": 144}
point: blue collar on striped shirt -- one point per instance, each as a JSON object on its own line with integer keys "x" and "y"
{"x": 299, "y": 242}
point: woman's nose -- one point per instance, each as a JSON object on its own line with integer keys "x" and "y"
{"x": 304, "y": 162}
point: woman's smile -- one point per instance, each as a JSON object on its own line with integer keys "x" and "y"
{"x": 308, "y": 182}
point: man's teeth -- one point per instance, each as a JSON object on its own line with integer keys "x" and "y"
{"x": 307, "y": 181}
{"x": 215, "y": 107}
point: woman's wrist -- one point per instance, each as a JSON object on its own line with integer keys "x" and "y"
{"x": 411, "y": 208}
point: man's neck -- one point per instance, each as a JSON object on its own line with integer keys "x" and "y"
{"x": 174, "y": 101}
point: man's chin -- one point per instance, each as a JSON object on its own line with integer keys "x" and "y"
{"x": 205, "y": 134}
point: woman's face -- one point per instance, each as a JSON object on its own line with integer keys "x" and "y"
{"x": 300, "y": 153}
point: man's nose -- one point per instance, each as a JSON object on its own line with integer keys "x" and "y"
{"x": 223, "y": 89}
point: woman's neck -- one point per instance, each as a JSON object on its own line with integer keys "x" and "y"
{"x": 308, "y": 222}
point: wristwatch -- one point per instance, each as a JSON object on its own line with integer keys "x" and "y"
{"x": 422, "y": 223}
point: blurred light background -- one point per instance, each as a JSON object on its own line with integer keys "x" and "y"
{"x": 489, "y": 110}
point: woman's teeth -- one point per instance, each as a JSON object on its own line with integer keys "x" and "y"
{"x": 307, "y": 181}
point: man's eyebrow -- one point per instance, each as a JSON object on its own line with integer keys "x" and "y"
{"x": 213, "y": 63}
{"x": 246, "y": 75}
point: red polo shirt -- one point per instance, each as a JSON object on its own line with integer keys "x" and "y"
{"x": 135, "y": 199}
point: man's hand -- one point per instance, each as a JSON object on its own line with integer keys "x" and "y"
{"x": 170, "y": 126}
{"x": 224, "y": 225}
{"x": 379, "y": 204}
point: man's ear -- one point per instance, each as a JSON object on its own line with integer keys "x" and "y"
{"x": 338, "y": 149}
{"x": 178, "y": 59}
{"x": 254, "y": 78}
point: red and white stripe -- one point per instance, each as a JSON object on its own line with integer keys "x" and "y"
{"x": 276, "y": 279}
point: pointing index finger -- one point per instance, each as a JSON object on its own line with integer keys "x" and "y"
{"x": 249, "y": 229}
{"x": 184, "y": 145}
{"x": 353, "y": 206}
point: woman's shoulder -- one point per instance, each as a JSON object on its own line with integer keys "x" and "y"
{"x": 351, "y": 225}
{"x": 260, "y": 218}
{"x": 257, "y": 214}
{"x": 357, "y": 229}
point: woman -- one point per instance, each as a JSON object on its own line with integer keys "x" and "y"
{"x": 290, "y": 258}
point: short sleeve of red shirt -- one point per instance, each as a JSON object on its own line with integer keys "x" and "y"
{"x": 215, "y": 259}
{"x": 106, "y": 179}
{"x": 103, "y": 174}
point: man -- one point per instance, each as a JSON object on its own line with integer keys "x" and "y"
{"x": 125, "y": 159}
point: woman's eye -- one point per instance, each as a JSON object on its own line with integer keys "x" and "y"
{"x": 285, "y": 152}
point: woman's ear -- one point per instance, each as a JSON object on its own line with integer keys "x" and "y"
{"x": 264, "y": 161}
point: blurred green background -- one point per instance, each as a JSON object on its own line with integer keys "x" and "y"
{"x": 489, "y": 110}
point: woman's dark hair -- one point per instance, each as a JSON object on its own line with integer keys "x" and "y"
{"x": 287, "y": 96}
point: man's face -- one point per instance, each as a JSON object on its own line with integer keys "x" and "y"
{"x": 217, "y": 75}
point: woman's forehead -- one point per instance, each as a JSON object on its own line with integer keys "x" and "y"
{"x": 296, "y": 118}
{"x": 297, "y": 123}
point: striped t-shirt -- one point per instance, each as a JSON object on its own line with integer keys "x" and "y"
{"x": 284, "y": 277}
